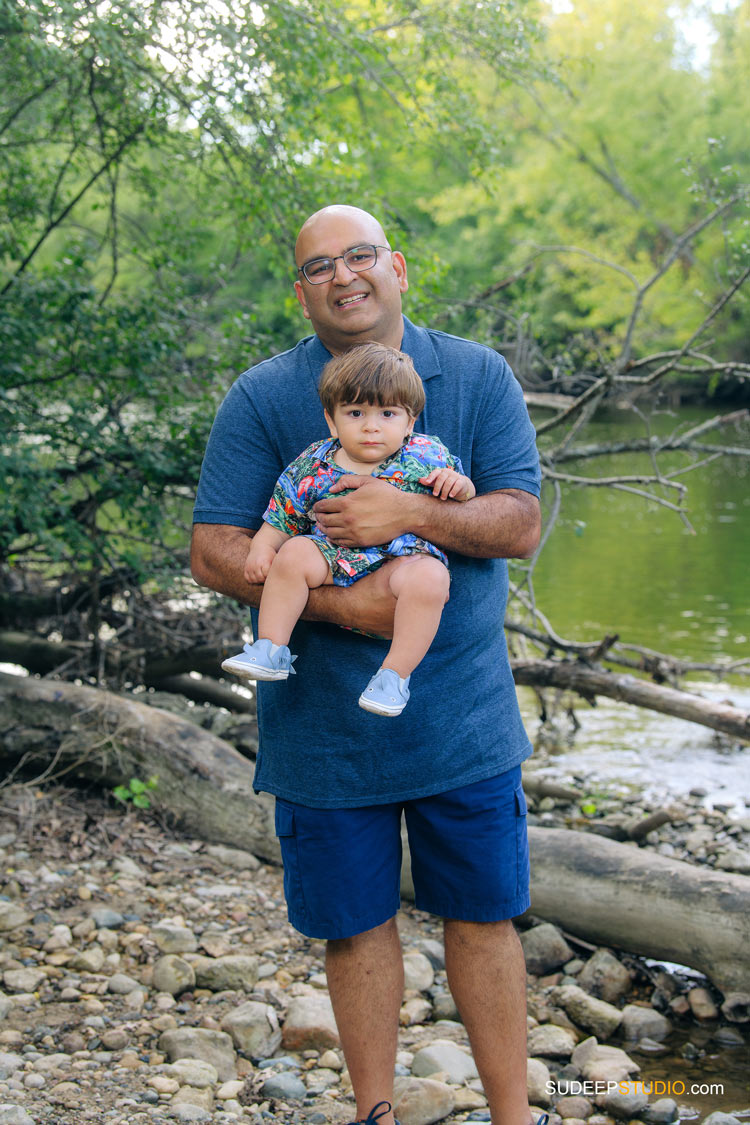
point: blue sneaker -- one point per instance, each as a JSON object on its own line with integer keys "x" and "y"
{"x": 386, "y": 693}
{"x": 262, "y": 660}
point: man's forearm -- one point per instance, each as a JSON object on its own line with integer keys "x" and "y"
{"x": 504, "y": 524}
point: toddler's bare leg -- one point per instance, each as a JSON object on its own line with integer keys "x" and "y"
{"x": 420, "y": 583}
{"x": 298, "y": 568}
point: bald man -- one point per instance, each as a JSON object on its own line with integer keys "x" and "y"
{"x": 451, "y": 762}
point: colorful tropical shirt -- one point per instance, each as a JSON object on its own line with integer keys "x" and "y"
{"x": 310, "y": 478}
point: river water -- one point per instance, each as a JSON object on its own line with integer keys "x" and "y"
{"x": 619, "y": 563}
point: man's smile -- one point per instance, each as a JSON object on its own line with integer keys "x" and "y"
{"x": 351, "y": 299}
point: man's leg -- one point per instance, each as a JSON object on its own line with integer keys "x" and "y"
{"x": 366, "y": 983}
{"x": 487, "y": 977}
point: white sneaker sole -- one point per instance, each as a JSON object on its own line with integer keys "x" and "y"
{"x": 380, "y": 708}
{"x": 246, "y": 672}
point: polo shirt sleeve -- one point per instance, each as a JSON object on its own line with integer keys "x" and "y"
{"x": 504, "y": 453}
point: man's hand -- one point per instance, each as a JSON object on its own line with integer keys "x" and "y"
{"x": 373, "y": 512}
{"x": 447, "y": 484}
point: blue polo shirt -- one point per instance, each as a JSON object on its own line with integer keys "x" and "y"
{"x": 462, "y": 724}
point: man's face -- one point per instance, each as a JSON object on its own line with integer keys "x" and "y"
{"x": 352, "y": 307}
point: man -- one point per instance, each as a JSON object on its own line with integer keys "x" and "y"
{"x": 452, "y": 760}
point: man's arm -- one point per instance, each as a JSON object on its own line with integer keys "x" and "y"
{"x": 503, "y": 524}
{"x": 217, "y": 558}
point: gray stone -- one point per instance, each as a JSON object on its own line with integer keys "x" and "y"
{"x": 188, "y": 1112}
{"x": 233, "y": 857}
{"x": 5, "y": 1005}
{"x": 537, "y": 1082}
{"x": 14, "y": 1115}
{"x": 607, "y": 1064}
{"x": 89, "y": 960}
{"x": 214, "y": 1047}
{"x": 729, "y": 1037}
{"x": 106, "y": 919}
{"x": 444, "y": 1055}
{"x": 23, "y": 980}
{"x": 661, "y": 1112}
{"x": 735, "y": 859}
{"x": 12, "y": 916}
{"x": 444, "y": 1006}
{"x": 702, "y": 1004}
{"x": 545, "y": 949}
{"x": 596, "y": 1016}
{"x": 192, "y": 1072}
{"x": 418, "y": 971}
{"x": 644, "y": 1023}
{"x": 173, "y": 974}
{"x": 171, "y": 938}
{"x": 625, "y": 1104}
{"x": 604, "y": 976}
{"x": 550, "y": 1041}
{"x": 310, "y": 1024}
{"x": 286, "y": 1086}
{"x": 719, "y": 1118}
{"x": 416, "y": 1009}
{"x": 237, "y": 972}
{"x": 574, "y": 1105}
{"x": 10, "y": 1062}
{"x": 421, "y": 1101}
{"x": 434, "y": 951}
{"x": 254, "y": 1028}
{"x": 121, "y": 984}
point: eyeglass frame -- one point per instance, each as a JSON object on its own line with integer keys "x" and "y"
{"x": 335, "y": 258}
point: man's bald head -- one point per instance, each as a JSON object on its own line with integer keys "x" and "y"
{"x": 329, "y": 217}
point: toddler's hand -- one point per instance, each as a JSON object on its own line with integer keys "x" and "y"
{"x": 447, "y": 484}
{"x": 258, "y": 564}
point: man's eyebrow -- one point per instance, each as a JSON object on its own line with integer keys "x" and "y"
{"x": 320, "y": 257}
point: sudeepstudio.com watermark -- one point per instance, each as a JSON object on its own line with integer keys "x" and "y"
{"x": 653, "y": 1088}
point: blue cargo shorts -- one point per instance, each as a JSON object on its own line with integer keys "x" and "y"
{"x": 469, "y": 858}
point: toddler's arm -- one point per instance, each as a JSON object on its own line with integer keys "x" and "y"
{"x": 263, "y": 548}
{"x": 448, "y": 484}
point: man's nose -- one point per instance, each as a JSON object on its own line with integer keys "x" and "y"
{"x": 343, "y": 275}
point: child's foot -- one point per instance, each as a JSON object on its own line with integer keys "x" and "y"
{"x": 262, "y": 660}
{"x": 386, "y": 693}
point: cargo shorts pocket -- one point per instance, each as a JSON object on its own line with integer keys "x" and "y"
{"x": 522, "y": 842}
{"x": 286, "y": 830}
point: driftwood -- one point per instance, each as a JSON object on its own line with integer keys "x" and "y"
{"x": 636, "y": 900}
{"x": 590, "y": 682}
{"x": 205, "y": 785}
{"x": 613, "y": 894}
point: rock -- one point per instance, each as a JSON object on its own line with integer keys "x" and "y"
{"x": 173, "y": 974}
{"x": 625, "y": 1104}
{"x": 172, "y": 938}
{"x": 420, "y": 1101}
{"x": 551, "y": 1041}
{"x": 736, "y": 1007}
{"x": 661, "y": 1112}
{"x": 642, "y": 1023}
{"x": 719, "y": 1118}
{"x": 538, "y": 1081}
{"x": 596, "y": 1016}
{"x": 286, "y": 1086}
{"x": 434, "y": 951}
{"x": 14, "y": 1115}
{"x": 237, "y": 972}
{"x": 121, "y": 984}
{"x": 214, "y": 1047}
{"x": 310, "y": 1024}
{"x": 233, "y": 857}
{"x": 89, "y": 960}
{"x": 446, "y": 1056}
{"x": 190, "y": 1112}
{"x": 12, "y": 916}
{"x": 735, "y": 859}
{"x": 193, "y": 1072}
{"x": 23, "y": 980}
{"x": 229, "y": 1090}
{"x": 607, "y": 1064}
{"x": 164, "y": 1085}
{"x": 545, "y": 948}
{"x": 702, "y": 1004}
{"x": 254, "y": 1028}
{"x": 5, "y": 1005}
{"x": 444, "y": 1006}
{"x": 467, "y": 1099}
{"x": 116, "y": 1039}
{"x": 331, "y": 1060}
{"x": 604, "y": 976}
{"x": 729, "y": 1037}
{"x": 9, "y": 1064}
{"x": 574, "y": 1105}
{"x": 418, "y": 972}
{"x": 106, "y": 919}
{"x": 416, "y": 1009}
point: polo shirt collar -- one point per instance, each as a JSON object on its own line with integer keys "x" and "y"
{"x": 416, "y": 342}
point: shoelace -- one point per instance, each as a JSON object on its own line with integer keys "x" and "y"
{"x": 373, "y": 1116}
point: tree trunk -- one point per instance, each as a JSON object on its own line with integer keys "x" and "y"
{"x": 205, "y": 785}
{"x": 590, "y": 682}
{"x": 634, "y": 899}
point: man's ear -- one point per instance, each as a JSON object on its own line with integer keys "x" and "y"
{"x": 399, "y": 268}
{"x": 301, "y": 298}
{"x": 329, "y": 423}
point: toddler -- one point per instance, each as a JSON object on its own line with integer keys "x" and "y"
{"x": 371, "y": 396}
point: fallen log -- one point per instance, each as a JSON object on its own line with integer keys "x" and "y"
{"x": 642, "y": 902}
{"x": 53, "y": 728}
{"x": 590, "y": 682}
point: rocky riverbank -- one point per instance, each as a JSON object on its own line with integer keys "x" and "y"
{"x": 148, "y": 977}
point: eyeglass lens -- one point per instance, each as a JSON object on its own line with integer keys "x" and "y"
{"x": 358, "y": 258}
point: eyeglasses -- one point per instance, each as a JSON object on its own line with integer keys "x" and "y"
{"x": 358, "y": 258}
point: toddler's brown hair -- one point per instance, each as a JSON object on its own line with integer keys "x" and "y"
{"x": 372, "y": 373}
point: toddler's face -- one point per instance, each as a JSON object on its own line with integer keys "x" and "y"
{"x": 368, "y": 432}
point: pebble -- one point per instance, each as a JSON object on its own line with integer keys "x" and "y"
{"x": 597, "y": 1016}
{"x": 254, "y": 1028}
{"x": 418, "y": 971}
{"x": 644, "y": 1023}
{"x": 286, "y": 1086}
{"x": 545, "y": 948}
{"x": 310, "y": 1023}
{"x": 604, "y": 976}
{"x": 444, "y": 1055}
